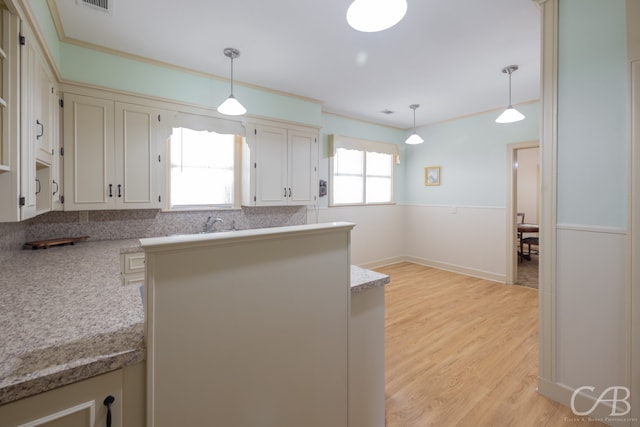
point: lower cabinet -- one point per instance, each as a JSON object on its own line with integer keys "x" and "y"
{"x": 82, "y": 404}
{"x": 132, "y": 268}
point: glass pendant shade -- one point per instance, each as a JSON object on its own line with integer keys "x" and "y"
{"x": 510, "y": 115}
{"x": 375, "y": 15}
{"x": 414, "y": 139}
{"x": 231, "y": 107}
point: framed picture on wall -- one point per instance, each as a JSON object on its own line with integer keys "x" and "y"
{"x": 432, "y": 175}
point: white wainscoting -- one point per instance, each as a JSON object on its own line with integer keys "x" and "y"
{"x": 466, "y": 239}
{"x": 378, "y": 237}
{"x": 591, "y": 307}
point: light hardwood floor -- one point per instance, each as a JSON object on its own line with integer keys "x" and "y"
{"x": 463, "y": 351}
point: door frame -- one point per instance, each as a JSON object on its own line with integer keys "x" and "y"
{"x": 512, "y": 206}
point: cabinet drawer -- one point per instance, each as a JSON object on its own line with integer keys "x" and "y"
{"x": 134, "y": 263}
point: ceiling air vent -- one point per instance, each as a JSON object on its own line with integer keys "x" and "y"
{"x": 102, "y": 5}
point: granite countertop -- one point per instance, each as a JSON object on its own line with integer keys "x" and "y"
{"x": 66, "y": 316}
{"x": 362, "y": 279}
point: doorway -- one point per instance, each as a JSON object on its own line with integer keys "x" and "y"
{"x": 523, "y": 196}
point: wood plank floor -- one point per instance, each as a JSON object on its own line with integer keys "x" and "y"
{"x": 463, "y": 351}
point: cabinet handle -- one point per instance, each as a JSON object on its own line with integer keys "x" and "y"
{"x": 119, "y": 190}
{"x": 289, "y": 191}
{"x": 108, "y": 401}
{"x": 38, "y": 186}
{"x": 110, "y": 190}
{"x": 41, "y": 129}
{"x": 57, "y": 187}
{"x": 285, "y": 192}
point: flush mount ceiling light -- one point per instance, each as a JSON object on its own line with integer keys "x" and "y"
{"x": 414, "y": 138}
{"x": 375, "y": 15}
{"x": 510, "y": 115}
{"x": 231, "y": 106}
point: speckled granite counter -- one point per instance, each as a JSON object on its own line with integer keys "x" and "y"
{"x": 65, "y": 316}
{"x": 362, "y": 279}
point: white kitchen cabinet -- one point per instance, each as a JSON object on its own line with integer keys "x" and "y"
{"x": 112, "y": 157}
{"x": 10, "y": 117}
{"x": 280, "y": 166}
{"x": 132, "y": 268}
{"x": 28, "y": 159}
{"x": 81, "y": 404}
{"x": 40, "y": 138}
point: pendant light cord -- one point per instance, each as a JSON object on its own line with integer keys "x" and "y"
{"x": 232, "y": 79}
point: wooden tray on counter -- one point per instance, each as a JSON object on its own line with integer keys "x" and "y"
{"x": 44, "y": 244}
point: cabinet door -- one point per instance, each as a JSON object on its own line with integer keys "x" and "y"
{"x": 28, "y": 86}
{"x": 9, "y": 118}
{"x": 75, "y": 405}
{"x": 272, "y": 187}
{"x": 302, "y": 153}
{"x": 137, "y": 150}
{"x": 42, "y": 118}
{"x": 89, "y": 153}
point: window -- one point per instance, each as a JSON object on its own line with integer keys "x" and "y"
{"x": 202, "y": 169}
{"x": 362, "y": 171}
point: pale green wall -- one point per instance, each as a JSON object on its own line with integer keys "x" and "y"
{"x": 47, "y": 29}
{"x": 472, "y": 155}
{"x": 592, "y": 113}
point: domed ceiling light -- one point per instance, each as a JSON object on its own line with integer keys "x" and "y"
{"x": 375, "y": 15}
{"x": 231, "y": 106}
{"x": 414, "y": 138}
{"x": 510, "y": 115}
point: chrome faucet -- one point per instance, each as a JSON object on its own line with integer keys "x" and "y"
{"x": 208, "y": 226}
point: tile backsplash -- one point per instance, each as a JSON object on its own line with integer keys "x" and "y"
{"x": 133, "y": 224}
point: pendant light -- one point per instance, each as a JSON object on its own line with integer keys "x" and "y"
{"x": 414, "y": 138}
{"x": 375, "y": 15}
{"x": 510, "y": 115}
{"x": 231, "y": 106}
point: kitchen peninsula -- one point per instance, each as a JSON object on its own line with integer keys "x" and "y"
{"x": 66, "y": 319}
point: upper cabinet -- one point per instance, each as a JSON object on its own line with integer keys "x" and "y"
{"x": 29, "y": 159}
{"x": 280, "y": 166}
{"x": 113, "y": 156}
{"x": 9, "y": 116}
{"x": 39, "y": 158}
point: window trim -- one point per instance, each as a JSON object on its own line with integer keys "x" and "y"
{"x": 212, "y": 124}
{"x": 337, "y": 141}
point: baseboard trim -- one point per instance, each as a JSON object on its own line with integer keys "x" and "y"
{"x": 501, "y": 278}
{"x": 383, "y": 262}
{"x": 457, "y": 269}
{"x": 562, "y": 394}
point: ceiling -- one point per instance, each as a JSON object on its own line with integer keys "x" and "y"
{"x": 446, "y": 55}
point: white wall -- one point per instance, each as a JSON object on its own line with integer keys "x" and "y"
{"x": 528, "y": 177}
{"x": 379, "y": 235}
